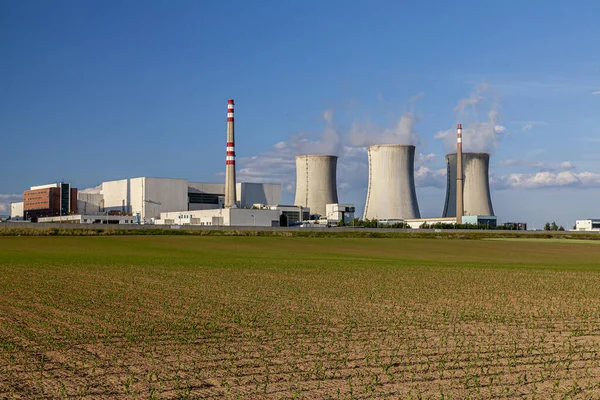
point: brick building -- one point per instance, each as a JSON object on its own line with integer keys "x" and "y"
{"x": 49, "y": 201}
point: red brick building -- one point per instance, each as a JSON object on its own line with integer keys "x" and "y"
{"x": 49, "y": 201}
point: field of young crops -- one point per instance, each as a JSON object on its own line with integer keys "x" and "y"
{"x": 274, "y": 317}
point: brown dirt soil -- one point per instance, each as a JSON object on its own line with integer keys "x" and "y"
{"x": 199, "y": 318}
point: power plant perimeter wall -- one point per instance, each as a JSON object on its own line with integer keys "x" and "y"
{"x": 476, "y": 185}
{"x": 316, "y": 182}
{"x": 391, "y": 193}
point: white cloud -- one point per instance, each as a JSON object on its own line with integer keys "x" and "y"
{"x": 548, "y": 179}
{"x": 541, "y": 165}
{"x": 597, "y": 92}
{"x": 567, "y": 165}
{"x": 6, "y": 199}
{"x": 416, "y": 97}
{"x": 527, "y": 127}
{"x": 426, "y": 177}
{"x": 328, "y": 116}
{"x": 422, "y": 159}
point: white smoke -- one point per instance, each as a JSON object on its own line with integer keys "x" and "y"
{"x": 94, "y": 190}
{"x": 403, "y": 132}
{"x": 480, "y": 117}
{"x": 328, "y": 142}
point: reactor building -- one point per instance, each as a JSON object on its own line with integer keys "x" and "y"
{"x": 316, "y": 182}
{"x": 476, "y": 185}
{"x": 391, "y": 193}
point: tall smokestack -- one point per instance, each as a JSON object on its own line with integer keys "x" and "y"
{"x": 459, "y": 176}
{"x": 391, "y": 193}
{"x": 230, "y": 159}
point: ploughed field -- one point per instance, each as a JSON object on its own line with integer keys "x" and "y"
{"x": 254, "y": 317}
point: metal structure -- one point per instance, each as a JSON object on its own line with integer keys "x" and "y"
{"x": 230, "y": 195}
{"x": 316, "y": 182}
{"x": 476, "y": 190}
{"x": 391, "y": 193}
{"x": 460, "y": 206}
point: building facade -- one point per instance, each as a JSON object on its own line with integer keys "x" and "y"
{"x": 16, "y": 211}
{"x": 222, "y": 217}
{"x": 340, "y": 212}
{"x": 49, "y": 200}
{"x": 590, "y": 225}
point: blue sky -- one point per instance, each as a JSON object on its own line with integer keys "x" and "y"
{"x": 100, "y": 90}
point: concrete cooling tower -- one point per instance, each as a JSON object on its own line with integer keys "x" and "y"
{"x": 316, "y": 182}
{"x": 476, "y": 189}
{"x": 391, "y": 193}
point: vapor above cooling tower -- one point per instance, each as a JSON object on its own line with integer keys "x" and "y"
{"x": 391, "y": 193}
{"x": 316, "y": 182}
{"x": 476, "y": 186}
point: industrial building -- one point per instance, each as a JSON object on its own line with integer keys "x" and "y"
{"x": 589, "y": 225}
{"x": 16, "y": 211}
{"x": 416, "y": 223}
{"x": 49, "y": 200}
{"x": 337, "y": 213}
{"x": 476, "y": 189}
{"x": 105, "y": 218}
{"x": 291, "y": 215}
{"x": 222, "y": 217}
{"x": 488, "y": 220}
{"x": 391, "y": 193}
{"x": 516, "y": 226}
{"x": 316, "y": 182}
{"x": 146, "y": 198}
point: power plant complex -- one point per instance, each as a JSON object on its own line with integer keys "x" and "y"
{"x": 391, "y": 195}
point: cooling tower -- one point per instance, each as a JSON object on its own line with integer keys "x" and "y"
{"x": 476, "y": 189}
{"x": 391, "y": 193}
{"x": 316, "y": 182}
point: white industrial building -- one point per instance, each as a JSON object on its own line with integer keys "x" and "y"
{"x": 590, "y": 225}
{"x": 339, "y": 212}
{"x": 16, "y": 211}
{"x": 89, "y": 219}
{"x": 147, "y": 198}
{"x": 222, "y": 217}
{"x": 416, "y": 223}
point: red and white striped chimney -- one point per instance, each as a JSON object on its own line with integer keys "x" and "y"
{"x": 459, "y": 176}
{"x": 230, "y": 195}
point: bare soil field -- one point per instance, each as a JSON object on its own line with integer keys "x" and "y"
{"x": 191, "y": 317}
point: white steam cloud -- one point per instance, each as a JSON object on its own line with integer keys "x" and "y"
{"x": 480, "y": 118}
{"x": 403, "y": 132}
{"x": 328, "y": 142}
